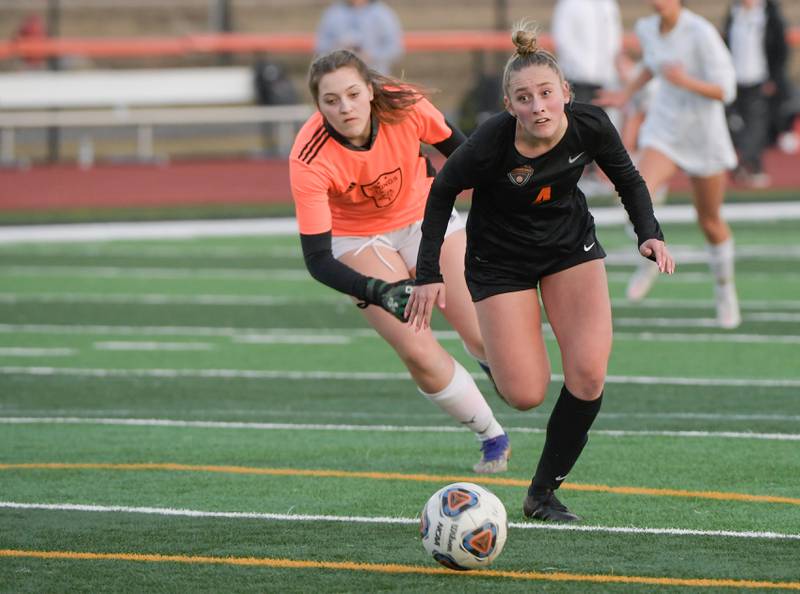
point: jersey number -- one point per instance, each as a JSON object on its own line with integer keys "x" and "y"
{"x": 543, "y": 196}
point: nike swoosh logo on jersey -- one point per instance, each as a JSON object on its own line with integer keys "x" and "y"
{"x": 586, "y": 248}
{"x": 575, "y": 158}
{"x": 561, "y": 478}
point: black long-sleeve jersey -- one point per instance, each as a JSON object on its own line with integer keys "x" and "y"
{"x": 525, "y": 206}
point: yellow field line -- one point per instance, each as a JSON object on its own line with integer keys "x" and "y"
{"x": 431, "y": 478}
{"x": 400, "y": 569}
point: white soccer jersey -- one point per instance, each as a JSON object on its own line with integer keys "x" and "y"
{"x": 689, "y": 128}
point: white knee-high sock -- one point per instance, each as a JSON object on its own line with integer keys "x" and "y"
{"x": 462, "y": 400}
{"x": 721, "y": 261}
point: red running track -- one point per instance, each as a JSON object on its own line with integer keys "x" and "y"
{"x": 66, "y": 187}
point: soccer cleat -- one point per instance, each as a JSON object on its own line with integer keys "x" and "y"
{"x": 545, "y": 506}
{"x": 496, "y": 452}
{"x": 642, "y": 280}
{"x": 728, "y": 314}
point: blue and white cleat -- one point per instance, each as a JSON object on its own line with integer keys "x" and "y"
{"x": 496, "y": 453}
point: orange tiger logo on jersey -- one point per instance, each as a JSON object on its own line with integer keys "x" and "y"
{"x": 520, "y": 176}
{"x": 385, "y": 189}
{"x": 391, "y": 176}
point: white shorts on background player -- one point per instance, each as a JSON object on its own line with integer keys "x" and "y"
{"x": 690, "y": 129}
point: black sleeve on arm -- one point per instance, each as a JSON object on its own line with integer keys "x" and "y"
{"x": 450, "y": 181}
{"x": 614, "y": 160}
{"x": 328, "y": 270}
{"x": 450, "y": 144}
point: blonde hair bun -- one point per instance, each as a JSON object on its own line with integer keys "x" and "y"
{"x": 525, "y": 38}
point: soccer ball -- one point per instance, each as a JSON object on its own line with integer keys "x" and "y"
{"x": 463, "y": 526}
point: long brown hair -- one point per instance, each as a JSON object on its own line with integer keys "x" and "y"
{"x": 393, "y": 97}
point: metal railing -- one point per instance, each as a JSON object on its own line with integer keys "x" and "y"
{"x": 287, "y": 119}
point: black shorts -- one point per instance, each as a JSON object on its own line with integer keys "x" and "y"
{"x": 485, "y": 279}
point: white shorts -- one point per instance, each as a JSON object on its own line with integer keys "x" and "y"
{"x": 405, "y": 241}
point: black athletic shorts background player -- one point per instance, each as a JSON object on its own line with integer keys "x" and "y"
{"x": 528, "y": 217}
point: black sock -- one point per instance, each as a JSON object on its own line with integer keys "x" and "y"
{"x": 567, "y": 434}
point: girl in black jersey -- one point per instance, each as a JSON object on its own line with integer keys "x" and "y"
{"x": 529, "y": 230}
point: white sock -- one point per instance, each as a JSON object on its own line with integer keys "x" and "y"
{"x": 462, "y": 400}
{"x": 721, "y": 261}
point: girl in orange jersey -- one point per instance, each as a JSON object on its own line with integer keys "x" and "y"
{"x": 359, "y": 183}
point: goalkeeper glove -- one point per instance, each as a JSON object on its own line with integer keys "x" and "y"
{"x": 392, "y": 297}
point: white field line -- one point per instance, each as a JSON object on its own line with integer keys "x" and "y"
{"x": 284, "y": 274}
{"x": 686, "y": 254}
{"x": 335, "y": 335}
{"x": 773, "y": 317}
{"x": 270, "y": 301}
{"x": 694, "y": 278}
{"x": 603, "y": 216}
{"x": 221, "y": 331}
{"x": 302, "y": 276}
{"x": 616, "y": 255}
{"x": 167, "y": 299}
{"x": 159, "y": 251}
{"x": 191, "y": 513}
{"x": 723, "y": 338}
{"x": 369, "y": 376}
{"x": 293, "y": 339}
{"x": 36, "y": 352}
{"x": 340, "y": 339}
{"x": 698, "y": 416}
{"x": 172, "y": 423}
{"x": 745, "y": 304}
{"x": 149, "y": 230}
{"x": 123, "y": 413}
{"x": 119, "y": 345}
{"x": 699, "y": 322}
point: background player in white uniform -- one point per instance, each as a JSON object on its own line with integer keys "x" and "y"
{"x": 686, "y": 128}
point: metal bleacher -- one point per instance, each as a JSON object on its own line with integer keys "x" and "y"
{"x": 141, "y": 99}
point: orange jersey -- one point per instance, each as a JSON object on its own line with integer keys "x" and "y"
{"x": 348, "y": 191}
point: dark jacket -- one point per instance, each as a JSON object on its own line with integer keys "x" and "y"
{"x": 776, "y": 47}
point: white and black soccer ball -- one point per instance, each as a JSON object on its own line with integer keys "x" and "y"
{"x": 464, "y": 526}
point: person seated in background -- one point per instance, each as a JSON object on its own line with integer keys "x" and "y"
{"x": 368, "y": 28}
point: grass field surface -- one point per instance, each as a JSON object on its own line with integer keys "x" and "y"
{"x": 199, "y": 414}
